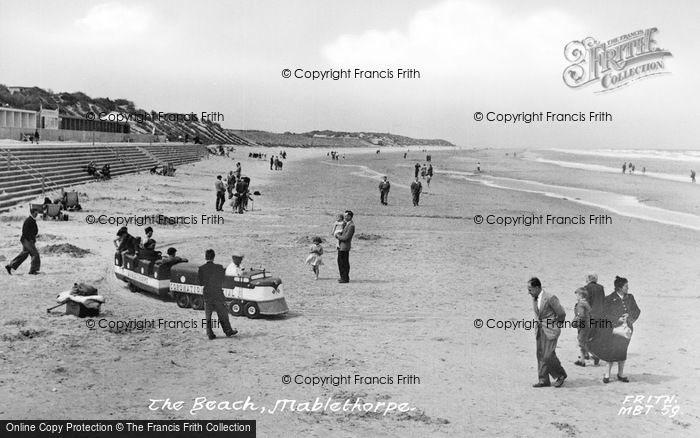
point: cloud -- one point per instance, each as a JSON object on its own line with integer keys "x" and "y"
{"x": 463, "y": 38}
{"x": 114, "y": 22}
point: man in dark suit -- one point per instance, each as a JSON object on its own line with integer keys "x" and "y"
{"x": 416, "y": 189}
{"x": 384, "y": 187}
{"x": 344, "y": 244}
{"x": 28, "y": 241}
{"x": 596, "y": 298}
{"x": 549, "y": 313}
{"x": 596, "y": 294}
{"x": 211, "y": 277}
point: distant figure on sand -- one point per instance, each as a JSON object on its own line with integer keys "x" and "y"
{"x": 548, "y": 312}
{"x": 610, "y": 342}
{"x": 315, "y": 258}
{"x": 384, "y": 187}
{"x": 416, "y": 189}
{"x": 220, "y": 193}
{"x": 624, "y": 167}
{"x": 28, "y": 241}
{"x": 478, "y": 166}
{"x": 692, "y": 176}
{"x": 344, "y": 245}
{"x": 417, "y": 166}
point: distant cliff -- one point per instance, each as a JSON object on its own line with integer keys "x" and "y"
{"x": 141, "y": 121}
{"x": 334, "y": 139}
{"x": 148, "y": 122}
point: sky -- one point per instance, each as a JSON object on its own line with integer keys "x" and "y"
{"x": 497, "y": 56}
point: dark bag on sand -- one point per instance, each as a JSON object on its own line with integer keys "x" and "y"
{"x": 83, "y": 290}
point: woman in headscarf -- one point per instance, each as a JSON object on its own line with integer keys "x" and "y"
{"x": 612, "y": 338}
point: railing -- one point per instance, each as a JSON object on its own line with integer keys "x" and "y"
{"x": 114, "y": 151}
{"x": 153, "y": 157}
{"x": 32, "y": 172}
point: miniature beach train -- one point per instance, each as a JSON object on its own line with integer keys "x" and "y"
{"x": 253, "y": 293}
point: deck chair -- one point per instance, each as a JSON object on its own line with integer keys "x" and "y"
{"x": 72, "y": 201}
{"x": 41, "y": 208}
{"x": 53, "y": 211}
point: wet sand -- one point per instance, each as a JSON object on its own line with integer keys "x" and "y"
{"x": 420, "y": 276}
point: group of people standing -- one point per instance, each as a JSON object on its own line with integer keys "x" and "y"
{"x": 238, "y": 188}
{"x": 604, "y": 325}
{"x": 343, "y": 231}
{"x": 630, "y": 168}
{"x": 335, "y": 155}
{"x": 275, "y": 163}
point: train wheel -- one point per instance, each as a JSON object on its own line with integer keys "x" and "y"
{"x": 197, "y": 302}
{"x": 235, "y": 308}
{"x": 251, "y": 310}
{"x": 183, "y": 300}
{"x": 133, "y": 287}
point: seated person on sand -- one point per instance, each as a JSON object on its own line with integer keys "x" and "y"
{"x": 234, "y": 269}
{"x": 106, "y": 171}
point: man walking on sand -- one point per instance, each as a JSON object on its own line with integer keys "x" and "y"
{"x": 384, "y": 187}
{"x": 416, "y": 189}
{"x": 28, "y": 240}
{"x": 211, "y": 277}
{"x": 345, "y": 242}
{"x": 549, "y": 313}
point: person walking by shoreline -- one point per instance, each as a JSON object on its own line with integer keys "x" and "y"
{"x": 220, "y": 193}
{"x": 417, "y": 167}
{"x": 416, "y": 189}
{"x": 384, "y": 187}
{"x": 548, "y": 312}
{"x": 211, "y": 277}
{"x": 692, "y": 176}
{"x": 28, "y": 240}
{"x": 345, "y": 243}
{"x": 624, "y": 168}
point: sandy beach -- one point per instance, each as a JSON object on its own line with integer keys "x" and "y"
{"x": 420, "y": 277}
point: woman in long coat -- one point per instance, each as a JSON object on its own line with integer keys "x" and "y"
{"x": 619, "y": 309}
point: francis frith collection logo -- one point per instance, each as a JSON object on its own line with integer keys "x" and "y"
{"x": 616, "y": 62}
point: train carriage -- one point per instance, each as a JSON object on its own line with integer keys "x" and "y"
{"x": 253, "y": 293}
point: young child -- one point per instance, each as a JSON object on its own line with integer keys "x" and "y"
{"x": 338, "y": 225}
{"x": 582, "y": 310}
{"x": 315, "y": 252}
